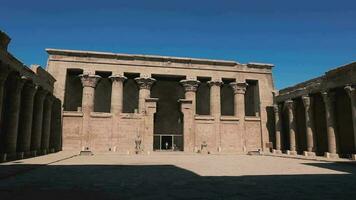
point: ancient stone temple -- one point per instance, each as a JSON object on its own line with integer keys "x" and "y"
{"x": 140, "y": 103}
{"x": 30, "y": 116}
{"x": 318, "y": 117}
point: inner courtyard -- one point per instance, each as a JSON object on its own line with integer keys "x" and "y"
{"x": 175, "y": 175}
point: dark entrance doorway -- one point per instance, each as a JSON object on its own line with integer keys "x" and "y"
{"x": 168, "y": 120}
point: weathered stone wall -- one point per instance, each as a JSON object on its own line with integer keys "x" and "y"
{"x": 233, "y": 133}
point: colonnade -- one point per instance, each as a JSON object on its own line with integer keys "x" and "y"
{"x": 26, "y": 117}
{"x": 144, "y": 83}
{"x": 328, "y": 99}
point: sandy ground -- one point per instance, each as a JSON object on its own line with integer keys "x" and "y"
{"x": 175, "y": 176}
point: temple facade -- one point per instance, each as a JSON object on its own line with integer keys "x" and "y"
{"x": 30, "y": 119}
{"x": 318, "y": 117}
{"x": 139, "y": 103}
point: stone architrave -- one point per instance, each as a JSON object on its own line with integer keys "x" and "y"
{"x": 329, "y": 100}
{"x": 89, "y": 83}
{"x": 309, "y": 125}
{"x": 144, "y": 84}
{"x": 351, "y": 91}
{"x": 292, "y": 127}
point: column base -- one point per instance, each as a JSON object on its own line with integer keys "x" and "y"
{"x": 3, "y": 157}
{"x": 20, "y": 155}
{"x": 309, "y": 154}
{"x": 292, "y": 153}
{"x": 44, "y": 152}
{"x": 331, "y": 155}
{"x": 353, "y": 156}
{"x": 34, "y": 153}
{"x": 275, "y": 151}
{"x": 86, "y": 153}
{"x": 27, "y": 154}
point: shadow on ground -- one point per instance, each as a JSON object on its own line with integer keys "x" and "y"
{"x": 168, "y": 182}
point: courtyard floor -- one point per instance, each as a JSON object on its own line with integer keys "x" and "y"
{"x": 175, "y": 176}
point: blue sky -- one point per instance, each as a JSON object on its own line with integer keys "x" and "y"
{"x": 302, "y": 38}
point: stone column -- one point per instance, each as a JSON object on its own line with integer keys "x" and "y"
{"x": 239, "y": 89}
{"x": 292, "y": 127}
{"x": 190, "y": 88}
{"x": 215, "y": 101}
{"x": 3, "y": 76}
{"x": 46, "y": 126}
{"x": 117, "y": 93}
{"x": 329, "y": 100}
{"x": 26, "y": 116}
{"x": 37, "y": 120}
{"x": 89, "y": 82}
{"x": 352, "y": 94}
{"x": 56, "y": 126}
{"x": 215, "y": 109}
{"x": 13, "y": 114}
{"x": 117, "y": 97}
{"x": 144, "y": 84}
{"x": 188, "y": 108}
{"x": 309, "y": 123}
{"x": 278, "y": 127}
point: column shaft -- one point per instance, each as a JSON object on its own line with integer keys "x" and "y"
{"x": 37, "y": 120}
{"x": 89, "y": 82}
{"x": 144, "y": 84}
{"x": 215, "y": 101}
{"x": 329, "y": 99}
{"x": 46, "y": 126}
{"x": 352, "y": 94}
{"x": 117, "y": 93}
{"x": 3, "y": 76}
{"x": 278, "y": 127}
{"x": 292, "y": 126}
{"x": 188, "y": 108}
{"x": 307, "y": 101}
{"x": 13, "y": 113}
{"x": 26, "y": 118}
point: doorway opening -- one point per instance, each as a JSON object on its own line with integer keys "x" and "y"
{"x": 168, "y": 119}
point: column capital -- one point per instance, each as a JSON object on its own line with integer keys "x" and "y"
{"x": 215, "y": 83}
{"x": 89, "y": 80}
{"x": 350, "y": 89}
{"x": 4, "y": 72}
{"x": 289, "y": 104}
{"x": 31, "y": 88}
{"x": 239, "y": 87}
{"x": 117, "y": 78}
{"x": 328, "y": 96}
{"x": 306, "y": 101}
{"x": 190, "y": 85}
{"x": 145, "y": 82}
{"x": 276, "y": 108}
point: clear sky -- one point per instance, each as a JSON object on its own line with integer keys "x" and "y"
{"x": 302, "y": 38}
